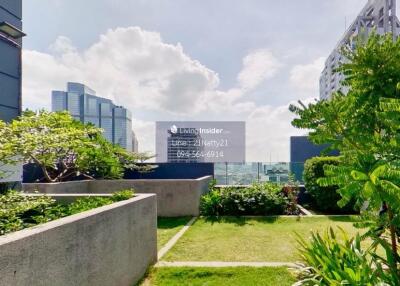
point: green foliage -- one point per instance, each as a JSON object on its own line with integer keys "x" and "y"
{"x": 259, "y": 199}
{"x": 336, "y": 261}
{"x": 123, "y": 195}
{"x": 64, "y": 148}
{"x": 364, "y": 126}
{"x": 325, "y": 198}
{"x": 18, "y": 211}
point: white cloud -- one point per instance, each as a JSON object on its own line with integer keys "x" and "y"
{"x": 62, "y": 45}
{"x": 258, "y": 66}
{"x": 130, "y": 65}
{"x": 135, "y": 68}
{"x": 306, "y": 77}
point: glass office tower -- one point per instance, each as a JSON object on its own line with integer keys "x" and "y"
{"x": 85, "y": 106}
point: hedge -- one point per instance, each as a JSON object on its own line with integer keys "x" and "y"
{"x": 324, "y": 199}
{"x": 258, "y": 199}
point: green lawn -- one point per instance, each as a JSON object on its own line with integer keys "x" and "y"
{"x": 168, "y": 227}
{"x": 238, "y": 276}
{"x": 247, "y": 240}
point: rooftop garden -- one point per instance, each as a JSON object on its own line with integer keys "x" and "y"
{"x": 363, "y": 125}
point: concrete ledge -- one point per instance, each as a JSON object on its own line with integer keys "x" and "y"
{"x": 174, "y": 197}
{"x": 111, "y": 245}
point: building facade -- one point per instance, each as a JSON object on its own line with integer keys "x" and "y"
{"x": 377, "y": 15}
{"x": 83, "y": 104}
{"x": 302, "y": 149}
{"x": 10, "y": 58}
{"x": 135, "y": 143}
{"x": 10, "y": 75}
{"x": 182, "y": 145}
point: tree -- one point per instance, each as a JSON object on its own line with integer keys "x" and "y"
{"x": 62, "y": 147}
{"x": 6, "y": 150}
{"x": 363, "y": 126}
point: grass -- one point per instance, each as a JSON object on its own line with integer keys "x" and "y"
{"x": 168, "y": 227}
{"x": 250, "y": 239}
{"x": 238, "y": 276}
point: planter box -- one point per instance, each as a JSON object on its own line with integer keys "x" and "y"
{"x": 111, "y": 245}
{"x": 174, "y": 197}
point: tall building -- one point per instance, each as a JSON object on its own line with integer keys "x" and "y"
{"x": 378, "y": 15}
{"x": 10, "y": 58}
{"x": 85, "y": 106}
{"x": 184, "y": 145}
{"x": 10, "y": 74}
{"x": 135, "y": 143}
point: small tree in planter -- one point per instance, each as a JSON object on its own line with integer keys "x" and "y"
{"x": 62, "y": 147}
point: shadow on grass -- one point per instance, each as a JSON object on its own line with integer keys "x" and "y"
{"x": 172, "y": 222}
{"x": 240, "y": 220}
{"x": 343, "y": 218}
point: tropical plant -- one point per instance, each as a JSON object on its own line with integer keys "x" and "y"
{"x": 333, "y": 260}
{"x": 363, "y": 126}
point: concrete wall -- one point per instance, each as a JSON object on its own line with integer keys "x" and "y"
{"x": 111, "y": 245}
{"x": 174, "y": 197}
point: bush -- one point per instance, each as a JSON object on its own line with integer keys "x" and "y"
{"x": 259, "y": 199}
{"x": 334, "y": 261}
{"x": 18, "y": 211}
{"x": 325, "y": 199}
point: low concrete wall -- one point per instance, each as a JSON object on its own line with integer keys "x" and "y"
{"x": 111, "y": 245}
{"x": 76, "y": 187}
{"x": 174, "y": 197}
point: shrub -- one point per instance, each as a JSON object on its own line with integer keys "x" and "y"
{"x": 259, "y": 199}
{"x": 325, "y": 199}
{"x": 334, "y": 261}
{"x": 18, "y": 211}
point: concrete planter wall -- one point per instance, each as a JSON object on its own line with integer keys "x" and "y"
{"x": 111, "y": 245}
{"x": 174, "y": 197}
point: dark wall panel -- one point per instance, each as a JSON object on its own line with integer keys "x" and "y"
{"x": 14, "y": 6}
{"x": 10, "y": 57}
{"x": 9, "y": 91}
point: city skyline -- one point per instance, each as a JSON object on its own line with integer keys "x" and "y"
{"x": 85, "y": 105}
{"x": 162, "y": 72}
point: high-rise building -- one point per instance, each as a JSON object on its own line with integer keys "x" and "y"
{"x": 10, "y": 58}
{"x": 183, "y": 145}
{"x": 377, "y": 15}
{"x": 135, "y": 143}
{"x": 10, "y": 74}
{"x": 85, "y": 106}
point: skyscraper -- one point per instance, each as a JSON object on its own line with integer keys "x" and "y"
{"x": 85, "y": 106}
{"x": 10, "y": 73}
{"x": 10, "y": 58}
{"x": 377, "y": 15}
{"x": 135, "y": 143}
{"x": 184, "y": 145}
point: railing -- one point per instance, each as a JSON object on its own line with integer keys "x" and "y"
{"x": 248, "y": 173}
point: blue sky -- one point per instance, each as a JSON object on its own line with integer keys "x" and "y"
{"x": 186, "y": 59}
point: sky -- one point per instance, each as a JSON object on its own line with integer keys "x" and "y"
{"x": 187, "y": 60}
